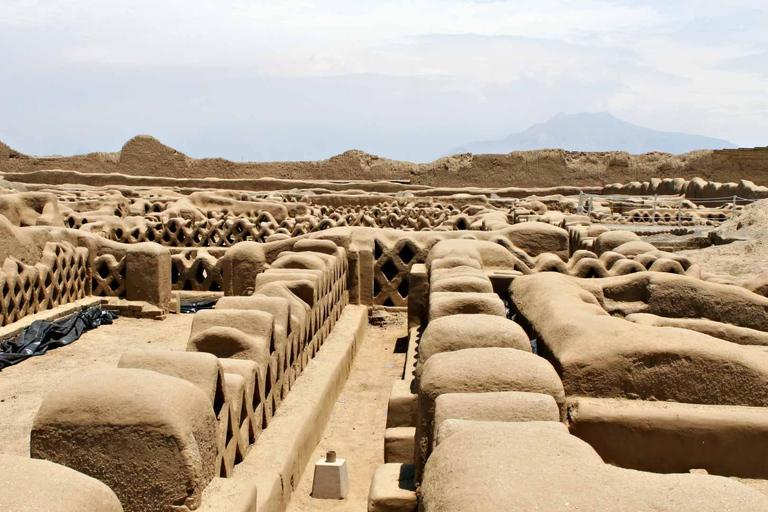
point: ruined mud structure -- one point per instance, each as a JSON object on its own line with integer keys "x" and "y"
{"x": 494, "y": 349}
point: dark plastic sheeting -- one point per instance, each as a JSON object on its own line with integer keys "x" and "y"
{"x": 194, "y": 307}
{"x": 42, "y": 335}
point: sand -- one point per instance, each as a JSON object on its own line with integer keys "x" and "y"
{"x": 747, "y": 256}
{"x": 23, "y": 387}
{"x": 745, "y": 259}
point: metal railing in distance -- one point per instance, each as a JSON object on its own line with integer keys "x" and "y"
{"x": 660, "y": 209}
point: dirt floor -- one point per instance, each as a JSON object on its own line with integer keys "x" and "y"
{"x": 356, "y": 428}
{"x": 760, "y": 486}
{"x": 744, "y": 259}
{"x": 23, "y": 387}
{"x": 747, "y": 256}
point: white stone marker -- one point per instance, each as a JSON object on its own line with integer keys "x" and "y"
{"x": 331, "y": 478}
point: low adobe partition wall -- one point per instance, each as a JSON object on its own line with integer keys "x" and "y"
{"x": 384, "y": 258}
{"x": 531, "y": 456}
{"x": 648, "y": 396}
{"x": 60, "y": 277}
{"x": 696, "y": 188}
{"x": 79, "y": 263}
{"x": 150, "y": 433}
{"x": 472, "y": 362}
{"x": 64, "y": 489}
{"x": 276, "y": 462}
{"x": 165, "y": 424}
{"x": 484, "y": 392}
{"x": 66, "y": 273}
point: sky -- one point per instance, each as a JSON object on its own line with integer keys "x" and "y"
{"x": 404, "y": 79}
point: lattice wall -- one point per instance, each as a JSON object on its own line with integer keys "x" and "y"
{"x": 179, "y": 232}
{"x": 196, "y": 270}
{"x": 60, "y": 277}
{"x": 392, "y": 264}
{"x": 225, "y": 230}
{"x": 108, "y": 277}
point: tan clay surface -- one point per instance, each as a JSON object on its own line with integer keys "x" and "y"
{"x": 544, "y": 456}
{"x": 538, "y": 298}
{"x": 145, "y": 155}
{"x": 62, "y": 489}
{"x": 747, "y": 256}
{"x": 22, "y": 388}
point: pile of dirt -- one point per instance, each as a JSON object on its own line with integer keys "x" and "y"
{"x": 146, "y": 156}
{"x": 743, "y": 260}
{"x": 751, "y": 223}
{"x": 742, "y": 249}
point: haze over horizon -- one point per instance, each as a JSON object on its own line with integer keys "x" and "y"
{"x": 405, "y": 80}
{"x": 595, "y": 131}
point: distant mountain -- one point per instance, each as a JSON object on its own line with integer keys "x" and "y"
{"x": 595, "y": 131}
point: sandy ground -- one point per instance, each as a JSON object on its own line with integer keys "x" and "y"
{"x": 742, "y": 259}
{"x": 356, "y": 428}
{"x": 748, "y": 255}
{"x": 760, "y": 486}
{"x": 23, "y": 387}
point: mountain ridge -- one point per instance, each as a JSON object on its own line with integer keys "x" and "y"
{"x": 595, "y": 132}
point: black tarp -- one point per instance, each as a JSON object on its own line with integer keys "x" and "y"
{"x": 194, "y": 307}
{"x": 42, "y": 335}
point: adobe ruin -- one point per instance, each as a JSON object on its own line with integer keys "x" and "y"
{"x": 543, "y": 348}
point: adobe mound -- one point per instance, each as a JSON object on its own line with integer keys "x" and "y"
{"x": 751, "y": 223}
{"x": 746, "y": 256}
{"x": 153, "y": 155}
{"x": 540, "y": 466}
{"x": 146, "y": 156}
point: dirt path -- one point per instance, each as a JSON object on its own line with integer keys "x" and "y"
{"x": 23, "y": 387}
{"x": 357, "y": 424}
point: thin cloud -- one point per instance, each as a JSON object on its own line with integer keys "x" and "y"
{"x": 405, "y": 79}
{"x": 755, "y": 63}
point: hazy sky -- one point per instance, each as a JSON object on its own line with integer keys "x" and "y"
{"x": 405, "y": 79}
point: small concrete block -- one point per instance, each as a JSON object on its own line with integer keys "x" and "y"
{"x": 401, "y": 411}
{"x": 398, "y": 445}
{"x": 392, "y": 489}
{"x": 331, "y": 478}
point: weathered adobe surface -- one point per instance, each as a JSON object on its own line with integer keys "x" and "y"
{"x": 146, "y": 156}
